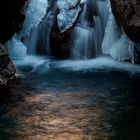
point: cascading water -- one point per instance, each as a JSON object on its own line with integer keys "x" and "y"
{"x": 87, "y": 37}
{"x": 82, "y": 37}
{"x": 101, "y": 8}
{"x": 87, "y": 20}
{"x": 82, "y": 43}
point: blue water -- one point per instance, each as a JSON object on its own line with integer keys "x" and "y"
{"x": 115, "y": 84}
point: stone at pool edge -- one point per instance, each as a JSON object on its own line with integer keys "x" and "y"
{"x": 7, "y": 68}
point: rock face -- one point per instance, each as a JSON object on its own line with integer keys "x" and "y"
{"x": 11, "y": 18}
{"x": 127, "y": 14}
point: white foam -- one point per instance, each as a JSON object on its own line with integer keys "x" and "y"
{"x": 30, "y": 61}
{"x": 102, "y": 63}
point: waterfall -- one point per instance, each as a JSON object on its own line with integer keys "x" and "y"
{"x": 87, "y": 37}
{"x": 82, "y": 36}
{"x": 82, "y": 47}
{"x": 92, "y": 26}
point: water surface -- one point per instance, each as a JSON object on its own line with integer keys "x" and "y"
{"x": 73, "y": 100}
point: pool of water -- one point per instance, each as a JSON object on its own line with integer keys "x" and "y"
{"x": 73, "y": 100}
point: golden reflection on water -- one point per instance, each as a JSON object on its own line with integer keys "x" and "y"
{"x": 69, "y": 116}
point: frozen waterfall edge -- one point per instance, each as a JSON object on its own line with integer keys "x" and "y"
{"x": 116, "y": 43}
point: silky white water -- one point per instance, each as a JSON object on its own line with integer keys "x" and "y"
{"x": 87, "y": 39}
{"x": 104, "y": 64}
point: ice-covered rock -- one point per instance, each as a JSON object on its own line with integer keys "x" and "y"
{"x": 112, "y": 34}
{"x": 16, "y": 49}
{"x": 123, "y": 49}
{"x": 36, "y": 10}
{"x": 69, "y": 10}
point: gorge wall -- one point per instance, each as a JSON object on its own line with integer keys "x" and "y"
{"x": 11, "y": 19}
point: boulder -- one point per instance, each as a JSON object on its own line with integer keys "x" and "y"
{"x": 127, "y": 14}
{"x": 7, "y": 68}
{"x": 69, "y": 11}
